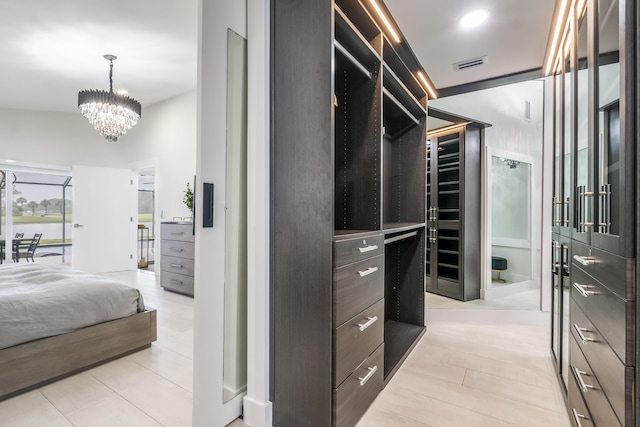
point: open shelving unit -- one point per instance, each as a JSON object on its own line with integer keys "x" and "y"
{"x": 348, "y": 210}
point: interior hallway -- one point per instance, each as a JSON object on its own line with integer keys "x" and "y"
{"x": 458, "y": 375}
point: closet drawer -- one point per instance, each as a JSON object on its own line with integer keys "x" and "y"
{"x": 614, "y": 271}
{"x": 589, "y": 387}
{"x": 356, "y": 339}
{"x": 607, "y": 311}
{"x": 177, "y": 231}
{"x": 580, "y": 416}
{"x": 352, "y": 250}
{"x": 356, "y": 393}
{"x": 177, "y": 248}
{"x": 604, "y": 363}
{"x": 177, "y": 265}
{"x": 356, "y": 287}
{"x": 177, "y": 282}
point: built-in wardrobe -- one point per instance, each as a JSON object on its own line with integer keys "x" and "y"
{"x": 454, "y": 209}
{"x": 594, "y": 263}
{"x": 347, "y": 209}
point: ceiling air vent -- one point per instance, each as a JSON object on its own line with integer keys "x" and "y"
{"x": 470, "y": 63}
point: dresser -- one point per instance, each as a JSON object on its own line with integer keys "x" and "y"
{"x": 177, "y": 257}
{"x": 358, "y": 325}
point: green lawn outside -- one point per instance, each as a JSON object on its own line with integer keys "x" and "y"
{"x": 44, "y": 219}
{"x": 53, "y": 218}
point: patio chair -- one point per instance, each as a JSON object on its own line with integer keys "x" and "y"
{"x": 29, "y": 249}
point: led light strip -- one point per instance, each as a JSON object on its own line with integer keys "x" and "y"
{"x": 424, "y": 80}
{"x": 384, "y": 18}
{"x": 556, "y": 34}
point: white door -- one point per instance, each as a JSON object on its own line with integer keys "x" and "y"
{"x": 103, "y": 228}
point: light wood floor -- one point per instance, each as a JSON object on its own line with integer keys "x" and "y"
{"x": 458, "y": 375}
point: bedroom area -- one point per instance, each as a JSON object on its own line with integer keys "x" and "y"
{"x": 97, "y": 219}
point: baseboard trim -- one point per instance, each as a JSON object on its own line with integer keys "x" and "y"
{"x": 257, "y": 413}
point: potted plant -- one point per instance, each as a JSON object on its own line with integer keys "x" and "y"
{"x": 188, "y": 199}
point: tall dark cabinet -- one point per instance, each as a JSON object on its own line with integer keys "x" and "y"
{"x": 348, "y": 209}
{"x": 453, "y": 221}
{"x": 594, "y": 326}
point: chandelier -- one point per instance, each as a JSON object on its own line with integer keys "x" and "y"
{"x": 110, "y": 113}
{"x": 510, "y": 162}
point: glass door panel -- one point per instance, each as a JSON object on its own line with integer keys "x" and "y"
{"x": 608, "y": 123}
{"x": 584, "y": 191}
{"x": 567, "y": 144}
{"x": 558, "y": 199}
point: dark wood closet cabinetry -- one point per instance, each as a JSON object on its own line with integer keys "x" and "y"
{"x": 594, "y": 325}
{"x": 348, "y": 209}
{"x": 453, "y": 221}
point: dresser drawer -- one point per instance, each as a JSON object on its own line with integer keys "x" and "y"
{"x": 356, "y": 339}
{"x": 356, "y": 393}
{"x": 177, "y": 231}
{"x": 351, "y": 250}
{"x": 580, "y": 416}
{"x": 177, "y": 282}
{"x": 177, "y": 248}
{"x": 182, "y": 266}
{"x": 356, "y": 287}
{"x": 615, "y": 272}
{"x": 607, "y": 311}
{"x": 592, "y": 393}
{"x": 604, "y": 363}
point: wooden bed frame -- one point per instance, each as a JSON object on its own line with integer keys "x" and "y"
{"x": 27, "y": 366}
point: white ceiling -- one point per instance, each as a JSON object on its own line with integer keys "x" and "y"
{"x": 50, "y": 50}
{"x": 514, "y": 37}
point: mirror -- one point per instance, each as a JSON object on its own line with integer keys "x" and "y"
{"x": 235, "y": 275}
{"x": 510, "y": 213}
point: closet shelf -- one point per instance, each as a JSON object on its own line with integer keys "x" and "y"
{"x": 351, "y": 58}
{"x": 400, "y": 338}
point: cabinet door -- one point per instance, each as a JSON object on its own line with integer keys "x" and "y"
{"x": 614, "y": 149}
{"x": 565, "y": 327}
{"x": 567, "y": 149}
{"x": 582, "y": 142}
{"x": 555, "y": 298}
{"x": 559, "y": 219}
{"x": 445, "y": 261}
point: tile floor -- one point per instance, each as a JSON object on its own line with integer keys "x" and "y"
{"x": 458, "y": 375}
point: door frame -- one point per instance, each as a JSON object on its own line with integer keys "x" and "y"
{"x": 535, "y": 222}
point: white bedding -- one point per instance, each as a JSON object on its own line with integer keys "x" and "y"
{"x": 38, "y": 301}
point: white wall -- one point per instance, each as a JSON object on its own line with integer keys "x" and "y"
{"x": 165, "y": 138}
{"x": 216, "y": 17}
{"x": 504, "y": 108}
{"x": 62, "y": 139}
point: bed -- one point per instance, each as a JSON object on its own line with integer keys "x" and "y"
{"x": 56, "y": 321}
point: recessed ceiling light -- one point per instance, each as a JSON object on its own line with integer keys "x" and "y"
{"x": 474, "y": 18}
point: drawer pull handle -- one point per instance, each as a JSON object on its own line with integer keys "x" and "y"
{"x": 370, "y": 321}
{"x": 583, "y": 290}
{"x": 372, "y": 371}
{"x": 176, "y": 249}
{"x": 584, "y": 260}
{"x": 577, "y": 417}
{"x": 584, "y": 387}
{"x": 368, "y": 271}
{"x": 176, "y": 265}
{"x": 176, "y": 281}
{"x": 580, "y": 331}
{"x": 368, "y": 249}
